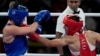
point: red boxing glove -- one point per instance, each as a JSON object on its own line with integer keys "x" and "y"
{"x": 33, "y": 36}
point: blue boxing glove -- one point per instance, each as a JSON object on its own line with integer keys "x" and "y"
{"x": 39, "y": 29}
{"x": 43, "y": 15}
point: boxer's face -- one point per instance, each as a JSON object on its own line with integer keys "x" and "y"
{"x": 73, "y": 4}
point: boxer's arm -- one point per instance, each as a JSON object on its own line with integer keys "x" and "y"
{"x": 49, "y": 43}
{"x": 31, "y": 35}
{"x": 16, "y": 30}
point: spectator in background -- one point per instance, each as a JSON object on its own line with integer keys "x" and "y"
{"x": 72, "y": 8}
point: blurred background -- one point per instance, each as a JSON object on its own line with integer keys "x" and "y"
{"x": 89, "y": 6}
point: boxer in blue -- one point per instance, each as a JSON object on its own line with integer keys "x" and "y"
{"x": 14, "y": 35}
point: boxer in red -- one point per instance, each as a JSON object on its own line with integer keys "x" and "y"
{"x": 80, "y": 42}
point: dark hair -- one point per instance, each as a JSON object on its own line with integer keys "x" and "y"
{"x": 76, "y": 18}
{"x": 13, "y": 4}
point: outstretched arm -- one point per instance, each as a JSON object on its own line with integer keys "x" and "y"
{"x": 50, "y": 43}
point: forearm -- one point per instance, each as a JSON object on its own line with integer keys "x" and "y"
{"x": 46, "y": 42}
{"x": 31, "y": 28}
{"x": 49, "y": 43}
{"x": 34, "y": 26}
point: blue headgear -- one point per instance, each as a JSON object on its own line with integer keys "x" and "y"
{"x": 17, "y": 14}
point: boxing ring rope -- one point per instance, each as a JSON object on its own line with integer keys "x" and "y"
{"x": 35, "y": 54}
{"x": 53, "y": 14}
{"x": 45, "y": 35}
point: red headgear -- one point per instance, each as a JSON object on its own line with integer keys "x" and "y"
{"x": 73, "y": 25}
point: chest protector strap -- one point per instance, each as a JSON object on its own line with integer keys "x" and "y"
{"x": 84, "y": 47}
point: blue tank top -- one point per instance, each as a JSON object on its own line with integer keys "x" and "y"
{"x": 17, "y": 47}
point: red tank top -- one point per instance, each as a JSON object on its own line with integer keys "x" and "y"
{"x": 84, "y": 48}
